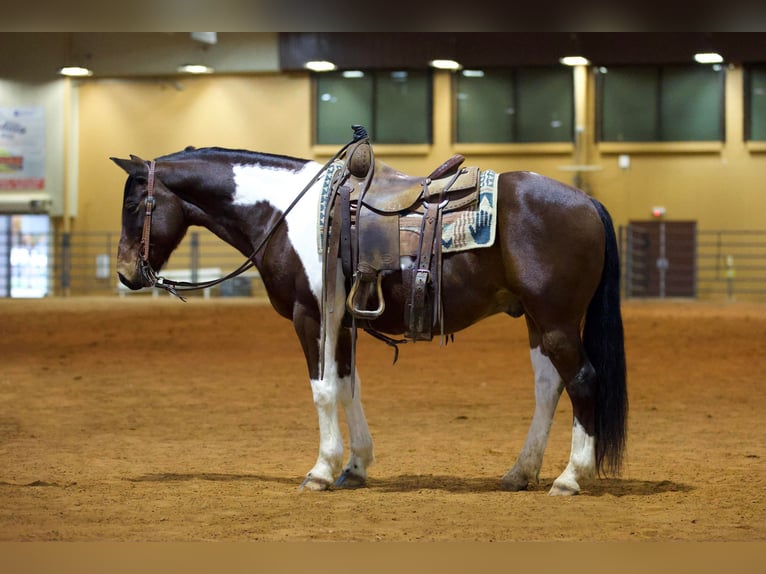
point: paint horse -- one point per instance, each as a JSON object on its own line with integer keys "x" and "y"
{"x": 554, "y": 261}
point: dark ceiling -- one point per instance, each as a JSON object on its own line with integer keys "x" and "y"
{"x": 488, "y": 49}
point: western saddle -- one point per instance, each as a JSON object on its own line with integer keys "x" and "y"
{"x": 362, "y": 228}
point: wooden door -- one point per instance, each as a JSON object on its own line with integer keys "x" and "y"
{"x": 660, "y": 259}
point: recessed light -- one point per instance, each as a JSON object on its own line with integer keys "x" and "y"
{"x": 75, "y": 71}
{"x": 445, "y": 64}
{"x": 320, "y": 66}
{"x": 708, "y": 58}
{"x": 195, "y": 69}
{"x": 574, "y": 61}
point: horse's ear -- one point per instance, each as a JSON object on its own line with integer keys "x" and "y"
{"x": 133, "y": 166}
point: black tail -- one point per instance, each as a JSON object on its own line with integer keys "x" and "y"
{"x": 604, "y": 344}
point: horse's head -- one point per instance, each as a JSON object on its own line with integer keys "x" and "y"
{"x": 168, "y": 225}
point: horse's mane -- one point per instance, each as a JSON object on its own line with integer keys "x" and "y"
{"x": 240, "y": 156}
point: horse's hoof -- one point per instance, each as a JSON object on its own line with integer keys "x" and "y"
{"x": 314, "y": 484}
{"x": 514, "y": 482}
{"x": 563, "y": 489}
{"x": 348, "y": 479}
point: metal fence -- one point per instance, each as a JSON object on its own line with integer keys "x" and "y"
{"x": 731, "y": 264}
{"x": 708, "y": 264}
{"x": 84, "y": 263}
{"x": 725, "y": 264}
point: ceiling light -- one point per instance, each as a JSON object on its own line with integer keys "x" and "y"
{"x": 320, "y": 66}
{"x": 195, "y": 69}
{"x": 75, "y": 71}
{"x": 708, "y": 58}
{"x": 445, "y": 64}
{"x": 473, "y": 73}
{"x": 574, "y": 61}
{"x": 353, "y": 74}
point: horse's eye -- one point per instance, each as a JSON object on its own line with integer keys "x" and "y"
{"x": 132, "y": 206}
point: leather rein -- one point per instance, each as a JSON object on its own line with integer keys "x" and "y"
{"x": 173, "y": 287}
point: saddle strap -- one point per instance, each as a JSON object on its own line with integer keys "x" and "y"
{"x": 345, "y": 229}
{"x": 420, "y": 316}
{"x": 331, "y": 258}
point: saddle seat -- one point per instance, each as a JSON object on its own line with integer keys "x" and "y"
{"x": 393, "y": 192}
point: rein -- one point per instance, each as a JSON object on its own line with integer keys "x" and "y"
{"x": 173, "y": 287}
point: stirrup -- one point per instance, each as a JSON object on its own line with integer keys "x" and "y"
{"x": 366, "y": 313}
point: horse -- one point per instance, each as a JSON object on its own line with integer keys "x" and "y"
{"x": 554, "y": 262}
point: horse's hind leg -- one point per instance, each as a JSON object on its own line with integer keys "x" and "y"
{"x": 565, "y": 350}
{"x": 548, "y": 388}
{"x": 559, "y": 362}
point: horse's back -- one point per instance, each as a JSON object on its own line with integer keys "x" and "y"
{"x": 537, "y": 199}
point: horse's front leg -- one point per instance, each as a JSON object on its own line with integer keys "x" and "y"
{"x": 330, "y": 458}
{"x": 334, "y": 386}
{"x": 349, "y": 393}
{"x": 324, "y": 390}
{"x": 360, "y": 442}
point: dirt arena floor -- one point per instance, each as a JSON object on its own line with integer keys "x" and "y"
{"x": 142, "y": 419}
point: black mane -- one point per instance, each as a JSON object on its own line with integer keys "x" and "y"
{"x": 240, "y": 156}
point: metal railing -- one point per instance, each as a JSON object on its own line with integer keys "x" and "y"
{"x": 727, "y": 264}
{"x": 84, "y": 263}
{"x": 731, "y": 263}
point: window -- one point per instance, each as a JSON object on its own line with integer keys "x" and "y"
{"x": 394, "y": 106}
{"x": 515, "y": 105}
{"x": 755, "y": 102}
{"x": 661, "y": 103}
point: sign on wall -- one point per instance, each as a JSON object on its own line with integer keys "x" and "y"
{"x": 22, "y": 148}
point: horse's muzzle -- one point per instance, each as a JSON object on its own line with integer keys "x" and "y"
{"x": 130, "y": 284}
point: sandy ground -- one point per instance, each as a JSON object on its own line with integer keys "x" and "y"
{"x": 143, "y": 419}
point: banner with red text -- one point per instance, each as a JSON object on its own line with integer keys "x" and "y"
{"x": 22, "y": 149}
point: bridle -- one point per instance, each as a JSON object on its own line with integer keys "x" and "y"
{"x": 147, "y": 273}
{"x": 173, "y": 287}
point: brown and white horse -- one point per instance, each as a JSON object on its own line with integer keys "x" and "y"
{"x": 554, "y": 262}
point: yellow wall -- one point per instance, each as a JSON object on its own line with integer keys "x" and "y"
{"x": 719, "y": 185}
{"x": 151, "y": 118}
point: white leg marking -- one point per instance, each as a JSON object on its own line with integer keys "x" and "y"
{"x": 360, "y": 442}
{"x": 330, "y": 457}
{"x": 582, "y": 463}
{"x": 326, "y": 392}
{"x": 548, "y": 388}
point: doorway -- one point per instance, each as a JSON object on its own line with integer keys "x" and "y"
{"x": 24, "y": 256}
{"x": 661, "y": 259}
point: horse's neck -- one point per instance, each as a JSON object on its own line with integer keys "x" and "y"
{"x": 207, "y": 199}
{"x": 243, "y": 209}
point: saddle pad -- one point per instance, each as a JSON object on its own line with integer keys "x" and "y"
{"x": 469, "y": 228}
{"x": 324, "y": 197}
